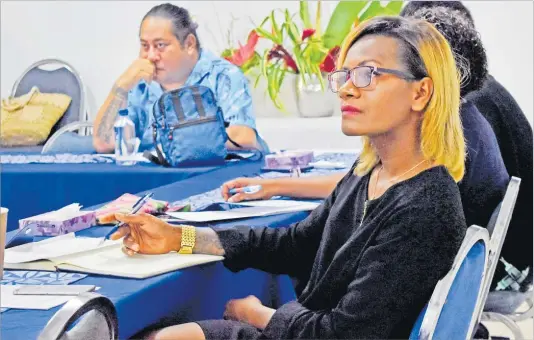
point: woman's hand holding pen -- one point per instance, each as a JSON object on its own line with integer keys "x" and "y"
{"x": 145, "y": 234}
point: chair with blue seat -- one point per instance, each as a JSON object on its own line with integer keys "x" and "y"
{"x": 56, "y": 76}
{"x": 451, "y": 312}
{"x": 501, "y": 306}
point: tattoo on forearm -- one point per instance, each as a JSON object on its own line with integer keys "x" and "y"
{"x": 105, "y": 129}
{"x": 207, "y": 242}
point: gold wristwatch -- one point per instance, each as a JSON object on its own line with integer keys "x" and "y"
{"x": 188, "y": 240}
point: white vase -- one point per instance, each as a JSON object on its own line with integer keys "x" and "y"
{"x": 312, "y": 100}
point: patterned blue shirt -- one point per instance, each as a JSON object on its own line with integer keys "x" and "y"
{"x": 227, "y": 82}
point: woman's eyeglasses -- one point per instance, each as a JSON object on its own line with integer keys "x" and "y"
{"x": 361, "y": 76}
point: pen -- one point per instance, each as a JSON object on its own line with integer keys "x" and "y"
{"x": 136, "y": 207}
{"x": 252, "y": 189}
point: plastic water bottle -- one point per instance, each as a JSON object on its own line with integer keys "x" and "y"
{"x": 126, "y": 144}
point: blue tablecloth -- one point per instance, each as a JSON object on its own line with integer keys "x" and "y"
{"x": 191, "y": 294}
{"x": 31, "y": 189}
{"x": 195, "y": 293}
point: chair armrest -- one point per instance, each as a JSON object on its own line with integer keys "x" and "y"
{"x": 77, "y": 307}
{"x": 67, "y": 128}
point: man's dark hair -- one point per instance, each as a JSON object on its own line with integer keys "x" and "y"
{"x": 413, "y": 6}
{"x": 182, "y": 24}
{"x": 465, "y": 42}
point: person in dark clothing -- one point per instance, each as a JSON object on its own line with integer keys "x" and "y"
{"x": 413, "y": 6}
{"x": 514, "y": 137}
{"x": 486, "y": 179}
{"x": 368, "y": 258}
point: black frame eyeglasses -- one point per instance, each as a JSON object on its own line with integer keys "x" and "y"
{"x": 361, "y": 76}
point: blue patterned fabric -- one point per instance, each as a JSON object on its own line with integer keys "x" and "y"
{"x": 65, "y": 158}
{"x": 227, "y": 82}
{"x": 213, "y": 196}
{"x": 31, "y": 277}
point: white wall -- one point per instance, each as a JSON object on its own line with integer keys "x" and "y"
{"x": 100, "y": 38}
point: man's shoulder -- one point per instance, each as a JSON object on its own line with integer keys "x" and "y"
{"x": 219, "y": 65}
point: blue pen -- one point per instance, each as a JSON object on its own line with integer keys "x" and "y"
{"x": 136, "y": 207}
{"x": 252, "y": 189}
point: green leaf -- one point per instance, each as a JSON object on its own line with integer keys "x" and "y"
{"x": 304, "y": 14}
{"x": 318, "y": 20}
{"x": 288, "y": 17}
{"x": 372, "y": 11}
{"x": 344, "y": 15}
{"x": 319, "y": 74}
{"x": 264, "y": 21}
{"x": 264, "y": 34}
{"x": 292, "y": 29}
{"x": 317, "y": 53}
{"x": 395, "y": 7}
{"x": 273, "y": 88}
{"x": 281, "y": 77}
{"x": 257, "y": 80}
{"x": 277, "y": 33}
{"x": 292, "y": 36}
{"x": 302, "y": 65}
{"x": 264, "y": 63}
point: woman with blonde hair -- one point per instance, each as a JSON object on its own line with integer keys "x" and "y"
{"x": 367, "y": 259}
{"x": 485, "y": 179}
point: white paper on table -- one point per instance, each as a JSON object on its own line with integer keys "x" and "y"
{"x": 43, "y": 302}
{"x": 250, "y": 209}
{"x": 53, "y": 247}
{"x": 305, "y": 206}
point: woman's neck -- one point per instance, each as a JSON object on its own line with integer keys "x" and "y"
{"x": 399, "y": 154}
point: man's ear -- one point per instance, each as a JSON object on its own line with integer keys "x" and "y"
{"x": 190, "y": 44}
{"x": 422, "y": 93}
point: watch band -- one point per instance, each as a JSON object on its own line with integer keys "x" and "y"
{"x": 188, "y": 240}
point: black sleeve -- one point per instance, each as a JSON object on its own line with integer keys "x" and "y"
{"x": 285, "y": 250}
{"x": 396, "y": 272}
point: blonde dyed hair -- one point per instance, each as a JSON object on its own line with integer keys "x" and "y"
{"x": 442, "y": 138}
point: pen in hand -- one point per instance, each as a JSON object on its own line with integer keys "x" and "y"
{"x": 136, "y": 207}
{"x": 247, "y": 190}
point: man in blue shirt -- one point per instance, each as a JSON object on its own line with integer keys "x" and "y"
{"x": 171, "y": 57}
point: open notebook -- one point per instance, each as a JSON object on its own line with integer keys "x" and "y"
{"x": 85, "y": 255}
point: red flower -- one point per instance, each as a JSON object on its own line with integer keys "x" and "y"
{"x": 291, "y": 63}
{"x": 244, "y": 53}
{"x": 307, "y": 32}
{"x": 281, "y": 53}
{"x": 329, "y": 63}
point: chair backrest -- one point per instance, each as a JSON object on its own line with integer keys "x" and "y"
{"x": 450, "y": 313}
{"x": 64, "y": 79}
{"x": 87, "y": 316}
{"x": 498, "y": 228}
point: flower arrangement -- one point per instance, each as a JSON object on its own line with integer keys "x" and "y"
{"x": 302, "y": 49}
